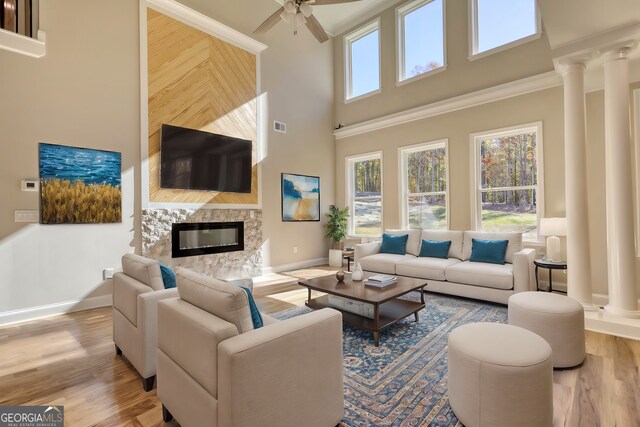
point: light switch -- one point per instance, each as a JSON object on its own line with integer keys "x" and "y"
{"x": 29, "y": 185}
{"x": 26, "y": 216}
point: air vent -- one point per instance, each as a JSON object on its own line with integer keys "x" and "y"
{"x": 280, "y": 127}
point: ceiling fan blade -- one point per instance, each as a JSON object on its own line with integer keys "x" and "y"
{"x": 269, "y": 22}
{"x": 316, "y": 29}
{"x": 323, "y": 2}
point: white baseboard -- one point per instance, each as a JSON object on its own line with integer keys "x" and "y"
{"x": 597, "y": 299}
{"x": 605, "y": 323}
{"x": 602, "y": 299}
{"x": 33, "y": 313}
{"x": 295, "y": 265}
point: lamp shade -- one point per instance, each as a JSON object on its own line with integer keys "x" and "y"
{"x": 553, "y": 227}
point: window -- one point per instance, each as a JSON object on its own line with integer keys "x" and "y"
{"x": 424, "y": 186}
{"x": 499, "y": 24}
{"x": 508, "y": 180}
{"x": 362, "y": 61}
{"x": 420, "y": 38}
{"x": 364, "y": 194}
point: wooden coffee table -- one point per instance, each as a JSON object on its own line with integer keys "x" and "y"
{"x": 388, "y": 308}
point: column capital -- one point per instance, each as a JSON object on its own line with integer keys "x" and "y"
{"x": 618, "y": 51}
{"x": 569, "y": 65}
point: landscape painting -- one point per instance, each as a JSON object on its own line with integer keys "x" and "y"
{"x": 79, "y": 185}
{"x": 300, "y": 197}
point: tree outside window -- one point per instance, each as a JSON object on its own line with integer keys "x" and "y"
{"x": 365, "y": 189}
{"x": 508, "y": 181}
{"x": 424, "y": 170}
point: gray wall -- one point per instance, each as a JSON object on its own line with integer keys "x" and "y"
{"x": 85, "y": 92}
{"x": 461, "y": 76}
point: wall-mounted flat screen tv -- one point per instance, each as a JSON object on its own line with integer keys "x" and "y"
{"x": 196, "y": 160}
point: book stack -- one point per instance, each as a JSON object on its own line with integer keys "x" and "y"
{"x": 381, "y": 280}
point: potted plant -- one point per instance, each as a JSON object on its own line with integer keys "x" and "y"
{"x": 336, "y": 231}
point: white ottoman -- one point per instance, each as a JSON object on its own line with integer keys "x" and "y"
{"x": 500, "y": 375}
{"x": 556, "y": 318}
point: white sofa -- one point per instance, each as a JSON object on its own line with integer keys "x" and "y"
{"x": 456, "y": 275}
{"x": 215, "y": 369}
{"x": 136, "y": 292}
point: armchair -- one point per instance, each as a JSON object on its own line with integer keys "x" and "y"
{"x": 215, "y": 369}
{"x": 136, "y": 292}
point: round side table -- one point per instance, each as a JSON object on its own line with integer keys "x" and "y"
{"x": 348, "y": 255}
{"x": 549, "y": 265}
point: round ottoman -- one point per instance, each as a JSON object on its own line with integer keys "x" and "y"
{"x": 500, "y": 375}
{"x": 556, "y": 318}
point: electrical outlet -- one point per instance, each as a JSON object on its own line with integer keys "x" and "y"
{"x": 295, "y": 249}
{"x": 107, "y": 273}
{"x": 26, "y": 216}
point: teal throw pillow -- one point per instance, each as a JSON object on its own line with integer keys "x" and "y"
{"x": 394, "y": 244}
{"x": 435, "y": 249}
{"x": 168, "y": 276}
{"x": 256, "y": 317}
{"x": 490, "y": 251}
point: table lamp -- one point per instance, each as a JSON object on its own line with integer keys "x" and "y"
{"x": 552, "y": 228}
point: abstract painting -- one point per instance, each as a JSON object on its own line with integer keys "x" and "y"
{"x": 79, "y": 185}
{"x": 300, "y": 197}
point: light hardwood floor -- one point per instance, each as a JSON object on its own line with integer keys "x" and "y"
{"x": 70, "y": 360}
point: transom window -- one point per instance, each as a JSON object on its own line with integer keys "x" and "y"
{"x": 508, "y": 180}
{"x": 424, "y": 186}
{"x": 364, "y": 194}
{"x": 420, "y": 38}
{"x": 362, "y": 61}
{"x": 498, "y": 24}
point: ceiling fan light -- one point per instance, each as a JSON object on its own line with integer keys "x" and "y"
{"x": 300, "y": 19}
{"x": 290, "y": 7}
{"x": 306, "y": 10}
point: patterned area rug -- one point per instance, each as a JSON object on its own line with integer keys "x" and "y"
{"x": 403, "y": 382}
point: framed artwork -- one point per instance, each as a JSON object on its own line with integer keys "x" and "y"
{"x": 300, "y": 197}
{"x": 79, "y": 185}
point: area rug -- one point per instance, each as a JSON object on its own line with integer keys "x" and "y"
{"x": 403, "y": 382}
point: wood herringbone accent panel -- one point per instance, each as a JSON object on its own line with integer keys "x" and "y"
{"x": 200, "y": 82}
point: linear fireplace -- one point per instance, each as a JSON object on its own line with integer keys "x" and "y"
{"x": 201, "y": 238}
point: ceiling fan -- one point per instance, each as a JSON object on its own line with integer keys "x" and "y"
{"x": 302, "y": 13}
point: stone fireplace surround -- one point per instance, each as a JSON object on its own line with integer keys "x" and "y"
{"x": 156, "y": 241}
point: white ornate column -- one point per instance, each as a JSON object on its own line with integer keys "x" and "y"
{"x": 575, "y": 160}
{"x": 621, "y": 256}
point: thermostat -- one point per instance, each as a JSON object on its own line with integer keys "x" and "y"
{"x": 29, "y": 185}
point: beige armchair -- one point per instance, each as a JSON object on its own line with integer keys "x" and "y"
{"x": 136, "y": 292}
{"x": 215, "y": 369}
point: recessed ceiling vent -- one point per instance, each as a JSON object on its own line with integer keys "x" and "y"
{"x": 280, "y": 127}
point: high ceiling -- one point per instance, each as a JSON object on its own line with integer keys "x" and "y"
{"x": 340, "y": 17}
{"x": 568, "y": 21}
{"x": 565, "y": 21}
